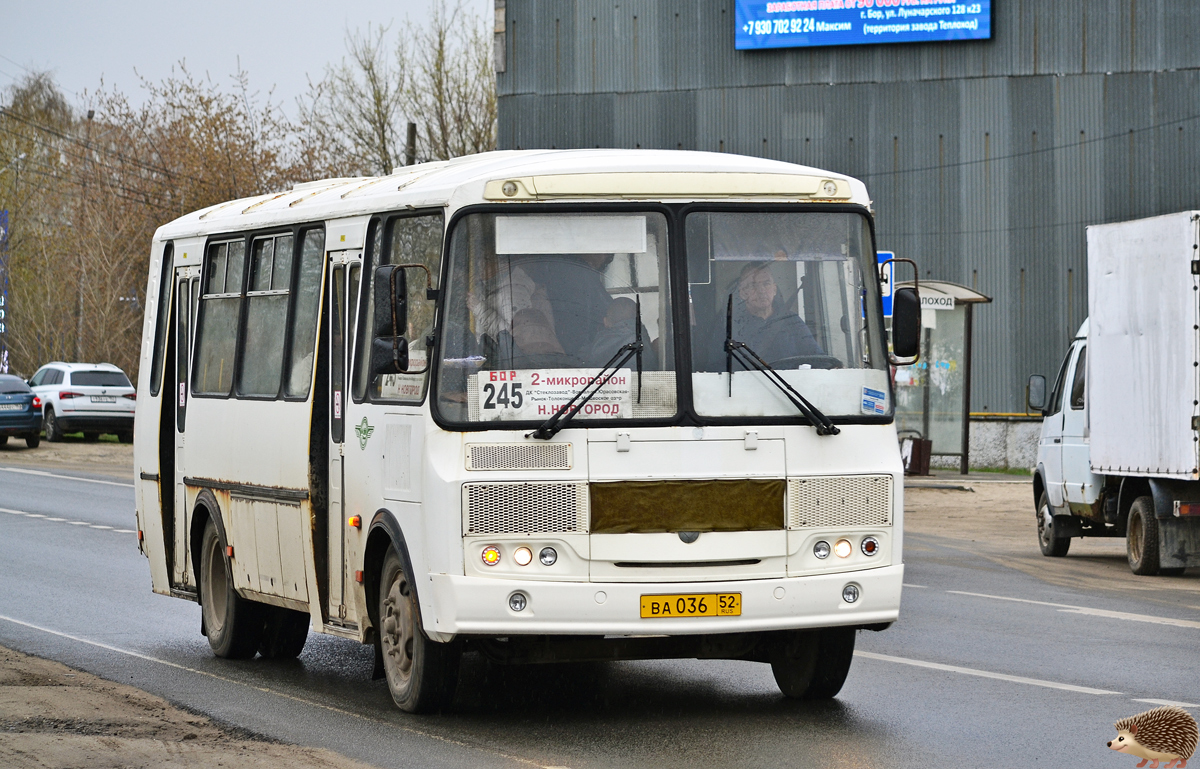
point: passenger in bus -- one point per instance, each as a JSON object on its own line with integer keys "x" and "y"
{"x": 620, "y": 328}
{"x": 507, "y": 289}
{"x": 763, "y": 323}
{"x": 533, "y": 334}
{"x": 575, "y": 287}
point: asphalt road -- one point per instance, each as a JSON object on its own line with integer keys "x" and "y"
{"x": 989, "y": 666}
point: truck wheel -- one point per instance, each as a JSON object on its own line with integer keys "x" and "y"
{"x": 284, "y": 633}
{"x": 234, "y": 625}
{"x": 1141, "y": 537}
{"x": 50, "y": 422}
{"x": 1051, "y": 545}
{"x": 813, "y": 665}
{"x": 421, "y": 674}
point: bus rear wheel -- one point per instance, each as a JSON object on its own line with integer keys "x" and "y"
{"x": 234, "y": 625}
{"x": 284, "y": 633}
{"x": 421, "y": 674}
{"x": 813, "y": 665}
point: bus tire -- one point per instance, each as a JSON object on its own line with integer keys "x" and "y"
{"x": 1141, "y": 537}
{"x": 813, "y": 665}
{"x": 421, "y": 674}
{"x": 284, "y": 633}
{"x": 234, "y": 624}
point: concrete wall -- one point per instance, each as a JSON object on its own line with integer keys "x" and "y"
{"x": 999, "y": 444}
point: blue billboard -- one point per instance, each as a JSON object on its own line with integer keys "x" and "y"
{"x": 809, "y": 23}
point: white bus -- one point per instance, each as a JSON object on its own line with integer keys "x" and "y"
{"x": 539, "y": 405}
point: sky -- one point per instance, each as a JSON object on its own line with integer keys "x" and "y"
{"x": 279, "y": 44}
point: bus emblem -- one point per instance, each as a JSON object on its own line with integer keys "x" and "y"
{"x": 364, "y": 431}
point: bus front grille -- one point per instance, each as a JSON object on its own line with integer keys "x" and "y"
{"x": 518, "y": 456}
{"x": 840, "y": 500}
{"x": 525, "y": 508}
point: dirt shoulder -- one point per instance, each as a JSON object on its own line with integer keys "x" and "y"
{"x": 114, "y": 460}
{"x": 994, "y": 521}
{"x": 53, "y": 717}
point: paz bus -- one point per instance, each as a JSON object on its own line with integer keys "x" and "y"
{"x": 534, "y": 405}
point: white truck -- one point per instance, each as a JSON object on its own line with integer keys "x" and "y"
{"x": 1119, "y": 453}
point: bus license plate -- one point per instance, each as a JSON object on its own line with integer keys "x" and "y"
{"x": 692, "y": 605}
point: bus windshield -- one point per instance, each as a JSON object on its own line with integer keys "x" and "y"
{"x": 537, "y": 304}
{"x": 793, "y": 288}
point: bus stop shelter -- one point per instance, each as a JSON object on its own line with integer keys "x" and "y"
{"x": 933, "y": 396}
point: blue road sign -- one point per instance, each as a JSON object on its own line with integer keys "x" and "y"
{"x": 885, "y": 279}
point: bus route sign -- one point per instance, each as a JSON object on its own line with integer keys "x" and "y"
{"x": 536, "y": 394}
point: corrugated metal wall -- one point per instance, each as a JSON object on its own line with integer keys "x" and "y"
{"x": 986, "y": 160}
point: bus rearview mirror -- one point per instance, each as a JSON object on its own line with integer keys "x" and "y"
{"x": 389, "y": 355}
{"x": 906, "y": 325}
{"x": 391, "y": 303}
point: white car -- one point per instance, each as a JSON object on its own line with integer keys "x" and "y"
{"x": 92, "y": 398}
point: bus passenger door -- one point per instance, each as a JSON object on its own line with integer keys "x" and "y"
{"x": 344, "y": 275}
{"x": 187, "y": 286}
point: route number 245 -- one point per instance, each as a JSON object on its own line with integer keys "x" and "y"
{"x": 508, "y": 396}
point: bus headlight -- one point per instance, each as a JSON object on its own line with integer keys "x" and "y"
{"x": 821, "y": 550}
{"x": 850, "y": 593}
{"x": 843, "y": 548}
{"x": 523, "y": 556}
{"x": 517, "y": 602}
{"x": 548, "y": 556}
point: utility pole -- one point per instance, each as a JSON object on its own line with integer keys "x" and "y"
{"x": 410, "y": 147}
{"x": 87, "y": 150}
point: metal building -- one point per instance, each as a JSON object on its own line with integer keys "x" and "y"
{"x": 985, "y": 159}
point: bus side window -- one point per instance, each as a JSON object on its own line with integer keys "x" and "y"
{"x": 266, "y": 316}
{"x": 220, "y": 306}
{"x": 412, "y": 240}
{"x": 304, "y": 316}
{"x": 167, "y": 269}
{"x": 366, "y": 307}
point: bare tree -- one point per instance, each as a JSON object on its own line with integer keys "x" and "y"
{"x": 439, "y": 77}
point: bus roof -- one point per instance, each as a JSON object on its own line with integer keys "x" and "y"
{"x": 516, "y": 176}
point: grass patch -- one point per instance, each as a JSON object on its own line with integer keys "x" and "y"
{"x": 1003, "y": 470}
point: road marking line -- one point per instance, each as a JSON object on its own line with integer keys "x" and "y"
{"x": 73, "y": 523}
{"x": 982, "y": 673}
{"x": 1068, "y": 609}
{"x": 267, "y": 690}
{"x": 1169, "y": 702}
{"x": 68, "y": 477}
{"x": 922, "y": 587}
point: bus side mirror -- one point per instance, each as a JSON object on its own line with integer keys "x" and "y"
{"x": 906, "y": 326}
{"x": 1035, "y": 395}
{"x": 389, "y": 348}
{"x": 391, "y": 301}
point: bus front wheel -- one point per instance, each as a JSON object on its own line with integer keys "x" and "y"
{"x": 813, "y": 665}
{"x": 421, "y": 674}
{"x": 234, "y": 625}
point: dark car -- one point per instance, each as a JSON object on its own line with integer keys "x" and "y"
{"x": 20, "y": 411}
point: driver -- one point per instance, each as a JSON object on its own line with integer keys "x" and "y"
{"x": 762, "y": 323}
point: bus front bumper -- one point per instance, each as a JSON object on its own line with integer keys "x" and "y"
{"x": 480, "y": 606}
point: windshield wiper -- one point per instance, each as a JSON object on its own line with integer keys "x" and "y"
{"x": 566, "y": 413}
{"x": 743, "y": 354}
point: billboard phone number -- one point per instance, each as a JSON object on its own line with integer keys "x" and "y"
{"x": 804, "y": 24}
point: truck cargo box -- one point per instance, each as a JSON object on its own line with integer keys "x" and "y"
{"x": 1143, "y": 383}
